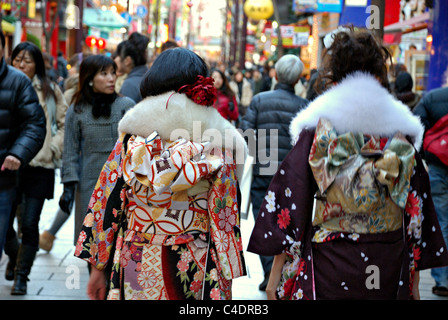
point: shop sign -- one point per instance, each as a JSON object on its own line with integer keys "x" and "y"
{"x": 317, "y": 6}
{"x": 33, "y": 23}
{"x": 292, "y": 36}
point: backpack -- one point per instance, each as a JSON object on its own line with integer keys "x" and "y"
{"x": 436, "y": 140}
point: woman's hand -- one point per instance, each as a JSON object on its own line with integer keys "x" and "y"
{"x": 274, "y": 277}
{"x": 96, "y": 287}
{"x": 415, "y": 288}
{"x": 11, "y": 163}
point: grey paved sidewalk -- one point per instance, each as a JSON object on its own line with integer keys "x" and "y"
{"x": 58, "y": 275}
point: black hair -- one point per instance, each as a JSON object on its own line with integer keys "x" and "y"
{"x": 89, "y": 67}
{"x": 404, "y": 82}
{"x": 38, "y": 58}
{"x": 171, "y": 70}
{"x": 135, "y": 47}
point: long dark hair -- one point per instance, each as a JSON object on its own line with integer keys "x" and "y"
{"x": 171, "y": 70}
{"x": 38, "y": 58}
{"x": 225, "y": 88}
{"x": 89, "y": 67}
{"x": 355, "y": 50}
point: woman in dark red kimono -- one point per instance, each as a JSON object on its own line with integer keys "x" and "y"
{"x": 349, "y": 214}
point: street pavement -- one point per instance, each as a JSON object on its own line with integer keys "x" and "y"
{"x": 58, "y": 275}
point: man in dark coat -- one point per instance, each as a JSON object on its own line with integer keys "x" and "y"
{"x": 22, "y": 132}
{"x": 270, "y": 114}
{"x": 431, "y": 109}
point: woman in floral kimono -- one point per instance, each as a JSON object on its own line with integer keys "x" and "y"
{"x": 373, "y": 224}
{"x": 164, "y": 215}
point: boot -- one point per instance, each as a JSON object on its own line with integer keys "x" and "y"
{"x": 23, "y": 268}
{"x": 11, "y": 250}
{"x": 46, "y": 240}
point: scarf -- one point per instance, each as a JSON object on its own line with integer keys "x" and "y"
{"x": 101, "y": 104}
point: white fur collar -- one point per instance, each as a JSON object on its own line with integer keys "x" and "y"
{"x": 186, "y": 119}
{"x": 360, "y": 104}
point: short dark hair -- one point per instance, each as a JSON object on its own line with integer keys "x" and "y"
{"x": 169, "y": 44}
{"x": 135, "y": 47}
{"x": 355, "y": 50}
{"x": 171, "y": 70}
{"x": 2, "y": 38}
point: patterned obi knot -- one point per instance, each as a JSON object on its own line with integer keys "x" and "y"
{"x": 168, "y": 185}
{"x": 365, "y": 176}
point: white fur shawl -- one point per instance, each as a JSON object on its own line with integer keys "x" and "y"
{"x": 360, "y": 104}
{"x": 181, "y": 117}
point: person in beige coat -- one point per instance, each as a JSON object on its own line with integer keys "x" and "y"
{"x": 243, "y": 91}
{"x": 36, "y": 180}
{"x": 71, "y": 83}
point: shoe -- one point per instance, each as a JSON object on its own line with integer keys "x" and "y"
{"x": 264, "y": 284}
{"x": 25, "y": 259}
{"x": 46, "y": 240}
{"x": 9, "y": 272}
{"x": 440, "y": 291}
{"x": 19, "y": 286}
{"x": 11, "y": 250}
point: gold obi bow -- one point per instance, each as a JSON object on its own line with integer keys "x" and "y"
{"x": 354, "y": 170}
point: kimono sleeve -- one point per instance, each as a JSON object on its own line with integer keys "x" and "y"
{"x": 104, "y": 214}
{"x": 424, "y": 236}
{"x": 225, "y": 231}
{"x": 285, "y": 214}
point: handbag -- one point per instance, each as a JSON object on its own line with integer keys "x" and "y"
{"x": 436, "y": 140}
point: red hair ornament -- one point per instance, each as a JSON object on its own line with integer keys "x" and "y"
{"x": 202, "y": 92}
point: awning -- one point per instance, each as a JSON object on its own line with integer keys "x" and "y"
{"x": 103, "y": 19}
{"x": 8, "y": 27}
{"x": 413, "y": 24}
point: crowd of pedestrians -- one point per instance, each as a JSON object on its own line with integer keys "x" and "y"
{"x": 151, "y": 155}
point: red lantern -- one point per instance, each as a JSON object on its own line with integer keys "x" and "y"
{"x": 91, "y": 41}
{"x": 101, "y": 43}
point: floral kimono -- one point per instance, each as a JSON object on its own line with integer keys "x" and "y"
{"x": 164, "y": 216}
{"x": 352, "y": 211}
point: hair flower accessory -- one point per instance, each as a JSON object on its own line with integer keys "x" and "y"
{"x": 202, "y": 92}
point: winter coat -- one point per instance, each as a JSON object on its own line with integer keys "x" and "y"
{"x": 50, "y": 155}
{"x": 22, "y": 121}
{"x": 223, "y": 107}
{"x": 356, "y": 157}
{"x": 70, "y": 87}
{"x": 409, "y": 98}
{"x": 244, "y": 97}
{"x": 87, "y": 144}
{"x": 169, "y": 193}
{"x": 432, "y": 107}
{"x": 272, "y": 110}
{"x": 131, "y": 85}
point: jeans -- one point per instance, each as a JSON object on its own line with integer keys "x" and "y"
{"x": 29, "y": 222}
{"x": 6, "y": 200}
{"x": 438, "y": 177}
